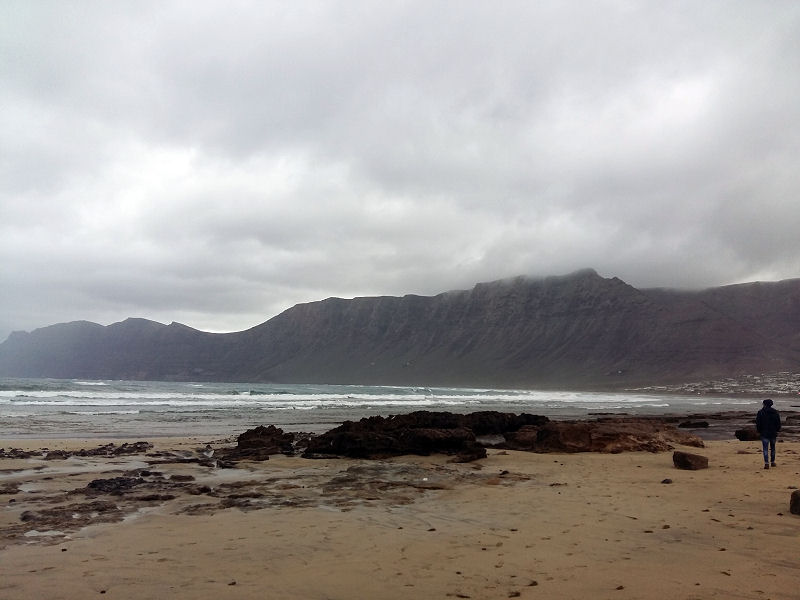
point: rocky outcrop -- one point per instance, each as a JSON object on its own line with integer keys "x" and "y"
{"x": 604, "y": 435}
{"x": 115, "y": 485}
{"x": 260, "y": 443}
{"x": 420, "y": 433}
{"x": 426, "y": 432}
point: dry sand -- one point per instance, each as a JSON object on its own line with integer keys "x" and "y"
{"x": 512, "y": 525}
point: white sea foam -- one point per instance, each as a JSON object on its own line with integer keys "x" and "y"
{"x": 48, "y": 533}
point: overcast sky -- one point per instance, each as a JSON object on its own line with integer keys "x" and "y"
{"x": 215, "y": 163}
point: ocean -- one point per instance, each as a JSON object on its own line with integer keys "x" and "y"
{"x": 69, "y": 408}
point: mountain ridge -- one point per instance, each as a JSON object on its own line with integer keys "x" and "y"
{"x": 575, "y": 330}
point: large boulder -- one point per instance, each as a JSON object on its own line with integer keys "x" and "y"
{"x": 747, "y": 434}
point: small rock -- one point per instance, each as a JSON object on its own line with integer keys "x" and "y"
{"x": 687, "y": 461}
{"x": 794, "y": 503}
{"x": 667, "y": 480}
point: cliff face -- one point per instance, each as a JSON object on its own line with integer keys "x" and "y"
{"x": 576, "y": 330}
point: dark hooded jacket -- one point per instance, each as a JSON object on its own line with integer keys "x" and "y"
{"x": 768, "y": 422}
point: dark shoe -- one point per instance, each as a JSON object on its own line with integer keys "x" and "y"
{"x": 766, "y": 466}
{"x": 774, "y": 465}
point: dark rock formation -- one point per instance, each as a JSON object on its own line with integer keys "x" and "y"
{"x": 577, "y": 330}
{"x": 19, "y": 453}
{"x": 689, "y": 462}
{"x": 693, "y": 424}
{"x": 426, "y": 432}
{"x": 490, "y": 422}
{"x": 260, "y": 443}
{"x": 747, "y": 434}
{"x": 114, "y": 486}
{"x": 794, "y": 503}
{"x": 421, "y": 432}
{"x": 265, "y": 440}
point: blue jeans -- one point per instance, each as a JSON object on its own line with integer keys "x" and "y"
{"x": 768, "y": 444}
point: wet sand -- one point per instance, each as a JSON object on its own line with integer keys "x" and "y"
{"x": 512, "y": 525}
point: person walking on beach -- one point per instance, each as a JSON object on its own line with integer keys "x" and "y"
{"x": 768, "y": 424}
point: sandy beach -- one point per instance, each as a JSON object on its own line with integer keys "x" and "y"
{"x": 515, "y": 524}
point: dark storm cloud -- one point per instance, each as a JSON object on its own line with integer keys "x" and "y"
{"x": 214, "y": 164}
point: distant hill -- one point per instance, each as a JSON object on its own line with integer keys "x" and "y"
{"x": 578, "y": 330}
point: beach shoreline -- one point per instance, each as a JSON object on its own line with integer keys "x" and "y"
{"x": 515, "y": 524}
{"x": 35, "y": 408}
